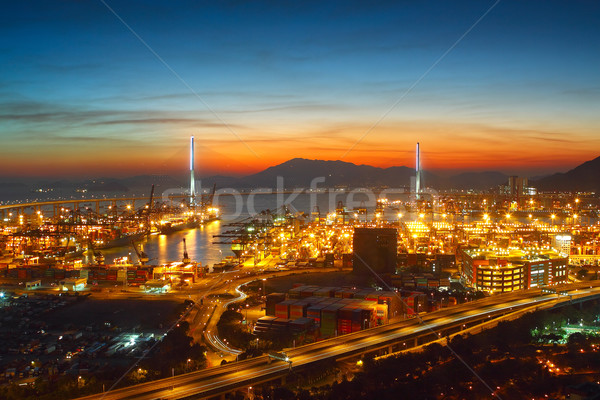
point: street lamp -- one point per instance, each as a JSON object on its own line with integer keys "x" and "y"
{"x": 553, "y": 216}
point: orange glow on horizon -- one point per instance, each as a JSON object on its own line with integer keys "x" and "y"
{"x": 475, "y": 148}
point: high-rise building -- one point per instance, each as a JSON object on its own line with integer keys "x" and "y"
{"x": 375, "y": 251}
{"x": 517, "y": 186}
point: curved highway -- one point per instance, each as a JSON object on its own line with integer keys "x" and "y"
{"x": 221, "y": 379}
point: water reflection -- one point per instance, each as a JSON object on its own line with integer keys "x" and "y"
{"x": 166, "y": 248}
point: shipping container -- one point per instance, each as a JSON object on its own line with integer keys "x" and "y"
{"x": 349, "y": 293}
{"x": 344, "y": 327}
{"x": 308, "y": 291}
{"x": 300, "y": 325}
{"x": 314, "y": 312}
{"x": 272, "y": 300}
{"x": 382, "y": 314}
{"x": 422, "y": 283}
{"x": 282, "y": 310}
{"x": 325, "y": 292}
{"x": 362, "y": 294}
{"x": 298, "y": 309}
{"x": 329, "y": 320}
{"x": 373, "y": 296}
{"x": 433, "y": 283}
{"x": 296, "y": 292}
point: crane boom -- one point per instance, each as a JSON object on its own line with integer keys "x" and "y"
{"x": 212, "y": 195}
{"x": 143, "y": 257}
{"x": 149, "y": 214}
{"x": 186, "y": 258}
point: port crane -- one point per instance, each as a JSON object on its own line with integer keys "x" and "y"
{"x": 149, "y": 213}
{"x": 143, "y": 257}
{"x": 253, "y": 228}
{"x": 63, "y": 252}
{"x": 97, "y": 256}
{"x": 186, "y": 258}
{"x": 208, "y": 201}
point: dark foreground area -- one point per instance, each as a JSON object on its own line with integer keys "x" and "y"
{"x": 57, "y": 346}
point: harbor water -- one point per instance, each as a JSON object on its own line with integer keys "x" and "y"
{"x": 167, "y": 248}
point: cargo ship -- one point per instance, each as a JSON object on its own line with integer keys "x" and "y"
{"x": 177, "y": 224}
{"x": 118, "y": 239}
{"x": 188, "y": 220}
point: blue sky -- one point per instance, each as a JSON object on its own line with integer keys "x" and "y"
{"x": 258, "y": 83}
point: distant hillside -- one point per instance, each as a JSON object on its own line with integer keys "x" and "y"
{"x": 299, "y": 172}
{"x": 583, "y": 178}
{"x": 473, "y": 180}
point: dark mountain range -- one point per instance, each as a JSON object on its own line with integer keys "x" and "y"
{"x": 584, "y": 178}
{"x": 472, "y": 180}
{"x": 300, "y": 172}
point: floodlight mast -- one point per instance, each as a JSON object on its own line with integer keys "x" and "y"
{"x": 192, "y": 180}
{"x": 418, "y": 170}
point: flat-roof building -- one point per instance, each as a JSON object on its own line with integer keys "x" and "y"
{"x": 157, "y": 286}
{"x": 504, "y": 270}
{"x": 73, "y": 284}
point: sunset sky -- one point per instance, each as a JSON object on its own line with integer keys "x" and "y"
{"x": 85, "y": 92}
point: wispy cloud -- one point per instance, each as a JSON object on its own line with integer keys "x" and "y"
{"x": 61, "y": 115}
{"x": 161, "y": 121}
{"x": 584, "y": 92}
{"x": 69, "y": 68}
